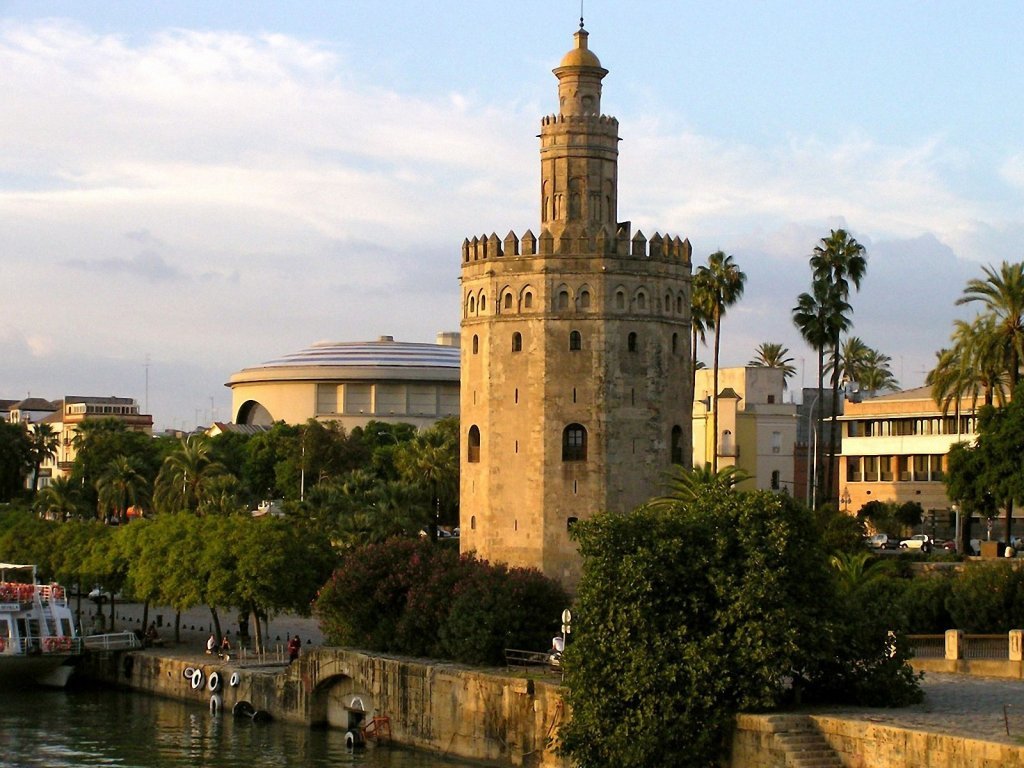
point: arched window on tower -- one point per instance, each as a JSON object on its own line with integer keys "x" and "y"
{"x": 473, "y": 445}
{"x": 620, "y": 299}
{"x": 677, "y": 444}
{"x": 517, "y": 342}
{"x": 584, "y": 299}
{"x": 675, "y": 343}
{"x": 641, "y": 301}
{"x": 528, "y": 300}
{"x": 631, "y": 342}
{"x": 472, "y": 304}
{"x": 508, "y": 301}
{"x": 483, "y": 303}
{"x": 575, "y": 341}
{"x": 574, "y": 443}
{"x": 476, "y": 344}
{"x": 563, "y": 299}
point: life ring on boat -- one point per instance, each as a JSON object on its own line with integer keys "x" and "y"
{"x": 214, "y": 682}
{"x": 235, "y": 679}
{"x": 197, "y": 678}
{"x": 187, "y": 672}
{"x": 216, "y": 703}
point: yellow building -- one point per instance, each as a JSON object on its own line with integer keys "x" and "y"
{"x": 895, "y": 446}
{"x": 352, "y": 383}
{"x": 757, "y": 429}
{"x": 575, "y": 350}
{"x": 69, "y": 415}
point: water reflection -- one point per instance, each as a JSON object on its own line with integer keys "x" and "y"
{"x": 104, "y": 728}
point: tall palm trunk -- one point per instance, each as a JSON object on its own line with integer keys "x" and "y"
{"x": 714, "y": 394}
{"x": 816, "y": 463}
{"x": 833, "y": 426}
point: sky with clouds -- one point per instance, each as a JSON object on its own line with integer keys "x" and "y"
{"x": 188, "y": 189}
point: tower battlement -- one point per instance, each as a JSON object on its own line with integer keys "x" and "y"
{"x": 606, "y": 120}
{"x": 664, "y": 248}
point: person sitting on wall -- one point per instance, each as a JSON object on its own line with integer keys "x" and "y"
{"x": 152, "y": 637}
{"x": 211, "y": 644}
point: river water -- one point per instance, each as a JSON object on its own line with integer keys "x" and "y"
{"x": 59, "y": 729}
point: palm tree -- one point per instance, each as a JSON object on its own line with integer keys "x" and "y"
{"x": 688, "y": 484}
{"x": 819, "y": 315}
{"x": 1002, "y": 296}
{"x": 122, "y": 485}
{"x": 723, "y": 282}
{"x": 855, "y": 571}
{"x": 875, "y": 374}
{"x": 838, "y": 260}
{"x": 701, "y": 316}
{"x": 973, "y": 367}
{"x": 58, "y": 500}
{"x": 184, "y": 479}
{"x": 44, "y": 446}
{"x": 770, "y": 354}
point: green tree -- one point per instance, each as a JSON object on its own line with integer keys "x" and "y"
{"x": 820, "y": 316}
{"x": 973, "y": 368}
{"x": 59, "y": 500}
{"x": 44, "y": 446}
{"x": 431, "y": 460}
{"x": 1001, "y": 295}
{"x": 720, "y": 283}
{"x": 122, "y": 485}
{"x": 689, "y": 641}
{"x": 15, "y": 455}
{"x": 837, "y": 262}
{"x": 186, "y": 475}
{"x": 770, "y": 354}
{"x": 99, "y": 441}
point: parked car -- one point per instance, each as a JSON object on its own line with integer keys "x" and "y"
{"x": 878, "y": 541}
{"x": 921, "y": 541}
{"x": 948, "y": 545}
{"x": 99, "y": 595}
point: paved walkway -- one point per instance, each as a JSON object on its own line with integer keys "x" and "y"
{"x": 974, "y": 707}
{"x": 963, "y": 705}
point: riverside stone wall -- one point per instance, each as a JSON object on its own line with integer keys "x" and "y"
{"x": 495, "y": 717}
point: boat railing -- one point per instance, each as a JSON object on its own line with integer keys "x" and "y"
{"x": 46, "y": 646}
{"x": 113, "y": 641}
{"x": 26, "y": 594}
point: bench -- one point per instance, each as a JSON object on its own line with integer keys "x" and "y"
{"x": 519, "y": 658}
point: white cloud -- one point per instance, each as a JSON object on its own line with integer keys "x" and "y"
{"x": 217, "y": 199}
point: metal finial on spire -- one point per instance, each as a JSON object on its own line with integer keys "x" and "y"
{"x": 581, "y": 14}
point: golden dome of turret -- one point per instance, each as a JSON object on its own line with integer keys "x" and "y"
{"x": 580, "y": 56}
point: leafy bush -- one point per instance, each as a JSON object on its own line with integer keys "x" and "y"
{"x": 987, "y": 598}
{"x": 413, "y": 597}
{"x": 689, "y": 611}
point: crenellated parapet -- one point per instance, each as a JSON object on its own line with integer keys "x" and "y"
{"x": 602, "y": 120}
{"x": 666, "y": 248}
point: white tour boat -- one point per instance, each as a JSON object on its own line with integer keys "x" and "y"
{"x": 38, "y": 642}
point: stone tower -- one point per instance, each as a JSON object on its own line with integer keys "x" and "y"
{"x": 576, "y": 386}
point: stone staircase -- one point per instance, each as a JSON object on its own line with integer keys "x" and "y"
{"x": 802, "y": 743}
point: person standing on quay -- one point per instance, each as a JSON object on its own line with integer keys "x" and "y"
{"x": 294, "y": 645}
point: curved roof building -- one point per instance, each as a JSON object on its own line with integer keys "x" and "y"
{"x": 353, "y": 383}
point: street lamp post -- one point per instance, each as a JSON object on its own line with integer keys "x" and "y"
{"x": 846, "y": 500}
{"x": 812, "y": 480}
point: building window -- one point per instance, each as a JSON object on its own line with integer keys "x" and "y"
{"x": 584, "y": 299}
{"x": 508, "y": 301}
{"x": 528, "y": 300}
{"x": 776, "y": 442}
{"x": 472, "y": 305}
{"x": 517, "y": 342}
{"x": 575, "y": 341}
{"x": 476, "y": 344}
{"x": 677, "y": 444}
{"x": 472, "y": 523}
{"x": 641, "y": 301}
{"x": 483, "y": 303}
{"x": 473, "y": 453}
{"x": 570, "y": 522}
{"x": 727, "y": 447}
{"x": 776, "y": 479}
{"x": 574, "y": 443}
{"x": 675, "y": 343}
{"x": 620, "y": 300}
{"x": 563, "y": 299}
{"x": 631, "y": 342}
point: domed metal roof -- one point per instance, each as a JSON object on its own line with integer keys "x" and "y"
{"x": 384, "y": 358}
{"x": 385, "y": 352}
